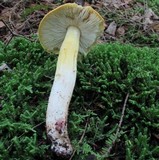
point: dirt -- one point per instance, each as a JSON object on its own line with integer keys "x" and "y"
{"x": 21, "y": 18}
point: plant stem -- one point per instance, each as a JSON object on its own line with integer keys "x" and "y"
{"x": 61, "y": 93}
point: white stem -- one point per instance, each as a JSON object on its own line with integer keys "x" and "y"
{"x": 61, "y": 93}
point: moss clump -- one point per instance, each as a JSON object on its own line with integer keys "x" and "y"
{"x": 105, "y": 77}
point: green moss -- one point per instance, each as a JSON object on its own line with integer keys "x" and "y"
{"x": 154, "y": 4}
{"x": 32, "y": 9}
{"x": 104, "y": 78}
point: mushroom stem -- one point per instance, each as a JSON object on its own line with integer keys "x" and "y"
{"x": 61, "y": 93}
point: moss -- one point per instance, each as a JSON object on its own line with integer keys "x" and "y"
{"x": 105, "y": 76}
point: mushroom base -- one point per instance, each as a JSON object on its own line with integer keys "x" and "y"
{"x": 59, "y": 137}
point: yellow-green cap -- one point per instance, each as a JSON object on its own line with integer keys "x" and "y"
{"x": 53, "y": 26}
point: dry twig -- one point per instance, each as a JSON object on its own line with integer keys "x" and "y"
{"x": 119, "y": 125}
{"x": 13, "y": 34}
{"x": 81, "y": 139}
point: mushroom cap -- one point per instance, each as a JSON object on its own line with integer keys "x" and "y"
{"x": 53, "y": 27}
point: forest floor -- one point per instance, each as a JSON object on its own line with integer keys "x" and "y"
{"x": 127, "y": 21}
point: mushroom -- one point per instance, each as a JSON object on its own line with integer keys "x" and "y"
{"x": 70, "y": 28}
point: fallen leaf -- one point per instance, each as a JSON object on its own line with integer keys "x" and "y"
{"x": 112, "y": 3}
{"x": 80, "y": 2}
{"x": 116, "y": 3}
{"x": 111, "y": 28}
{"x": 121, "y": 31}
{"x": 2, "y": 24}
{"x": 5, "y": 14}
{"x": 155, "y": 26}
{"x": 127, "y": 1}
{"x": 136, "y": 18}
{"x": 149, "y": 16}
